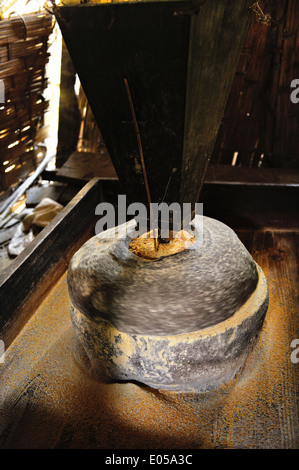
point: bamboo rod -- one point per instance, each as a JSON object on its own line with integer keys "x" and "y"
{"x": 156, "y": 242}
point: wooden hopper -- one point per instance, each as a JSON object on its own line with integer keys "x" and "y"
{"x": 179, "y": 58}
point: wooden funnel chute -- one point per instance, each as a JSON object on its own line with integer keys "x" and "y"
{"x": 179, "y": 58}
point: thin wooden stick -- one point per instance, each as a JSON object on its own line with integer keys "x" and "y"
{"x": 156, "y": 242}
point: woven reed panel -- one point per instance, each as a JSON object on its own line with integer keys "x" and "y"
{"x": 23, "y": 58}
{"x": 260, "y": 118}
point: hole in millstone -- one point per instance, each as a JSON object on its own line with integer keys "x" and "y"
{"x": 144, "y": 245}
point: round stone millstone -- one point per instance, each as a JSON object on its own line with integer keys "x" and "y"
{"x": 181, "y": 322}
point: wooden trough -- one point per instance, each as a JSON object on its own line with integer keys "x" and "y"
{"x": 47, "y": 401}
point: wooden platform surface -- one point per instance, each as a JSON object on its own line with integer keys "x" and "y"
{"x": 46, "y": 401}
{"x": 84, "y": 166}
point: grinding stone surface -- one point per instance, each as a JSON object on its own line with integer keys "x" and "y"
{"x": 198, "y": 361}
{"x": 185, "y": 292}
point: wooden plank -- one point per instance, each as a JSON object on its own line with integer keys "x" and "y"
{"x": 28, "y": 279}
{"x": 217, "y": 36}
{"x": 239, "y": 196}
{"x": 86, "y": 165}
{"x": 252, "y": 206}
{"x": 252, "y": 176}
{"x": 285, "y": 147}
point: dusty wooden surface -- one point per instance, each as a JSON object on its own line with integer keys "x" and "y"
{"x": 48, "y": 402}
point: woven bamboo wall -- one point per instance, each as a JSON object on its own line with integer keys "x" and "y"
{"x": 261, "y": 124}
{"x": 23, "y": 57}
